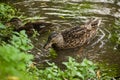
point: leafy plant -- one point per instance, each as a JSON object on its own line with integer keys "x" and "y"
{"x": 5, "y": 33}
{"x": 35, "y": 33}
{"x": 73, "y": 71}
{"x": 13, "y": 61}
{"x": 52, "y": 53}
{"x": 84, "y": 71}
{"x": 6, "y": 12}
{"x": 21, "y": 41}
{"x": 2, "y": 26}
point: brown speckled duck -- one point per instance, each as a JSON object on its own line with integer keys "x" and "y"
{"x": 74, "y": 37}
{"x": 38, "y": 26}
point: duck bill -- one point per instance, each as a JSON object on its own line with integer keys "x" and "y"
{"x": 47, "y": 45}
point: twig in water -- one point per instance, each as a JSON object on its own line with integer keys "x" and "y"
{"x": 109, "y": 36}
{"x": 102, "y": 36}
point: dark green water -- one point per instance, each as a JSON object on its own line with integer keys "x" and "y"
{"x": 69, "y": 13}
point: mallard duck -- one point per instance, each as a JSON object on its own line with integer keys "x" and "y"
{"x": 38, "y": 26}
{"x": 73, "y": 37}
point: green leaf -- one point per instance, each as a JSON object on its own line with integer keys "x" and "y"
{"x": 2, "y": 26}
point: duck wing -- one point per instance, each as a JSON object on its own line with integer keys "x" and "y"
{"x": 73, "y": 33}
{"x": 74, "y": 37}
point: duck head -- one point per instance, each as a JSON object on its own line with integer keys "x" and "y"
{"x": 93, "y": 23}
{"x": 54, "y": 38}
{"x": 15, "y": 22}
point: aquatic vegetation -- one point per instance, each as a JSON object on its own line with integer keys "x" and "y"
{"x": 108, "y": 72}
